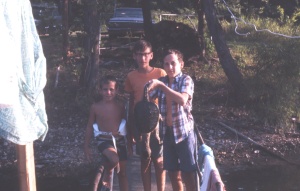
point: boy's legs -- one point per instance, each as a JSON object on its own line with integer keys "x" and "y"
{"x": 157, "y": 159}
{"x": 160, "y": 174}
{"x": 145, "y": 161}
{"x": 189, "y": 180}
{"x": 187, "y": 161}
{"x": 176, "y": 181}
{"x": 146, "y": 173}
{"x": 123, "y": 182}
{"x": 170, "y": 162}
{"x": 122, "y": 175}
{"x": 106, "y": 147}
{"x": 98, "y": 176}
{"x": 152, "y": 140}
{"x": 183, "y": 152}
{"x": 112, "y": 162}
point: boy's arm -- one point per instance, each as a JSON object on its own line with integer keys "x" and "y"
{"x": 180, "y": 98}
{"x": 129, "y": 140}
{"x": 127, "y": 116}
{"x": 130, "y": 119}
{"x": 130, "y": 116}
{"x": 89, "y": 134}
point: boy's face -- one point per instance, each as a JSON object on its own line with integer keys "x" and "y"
{"x": 143, "y": 58}
{"x": 172, "y": 65}
{"x": 108, "y": 91}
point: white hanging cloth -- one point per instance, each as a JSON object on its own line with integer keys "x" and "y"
{"x": 23, "y": 117}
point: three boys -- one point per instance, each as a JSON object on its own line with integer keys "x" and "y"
{"x": 174, "y": 93}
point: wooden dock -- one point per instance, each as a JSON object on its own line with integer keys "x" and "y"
{"x": 135, "y": 179}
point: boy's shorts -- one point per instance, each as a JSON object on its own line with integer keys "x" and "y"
{"x": 105, "y": 143}
{"x": 179, "y": 156}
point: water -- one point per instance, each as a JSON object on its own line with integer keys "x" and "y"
{"x": 49, "y": 184}
{"x": 279, "y": 178}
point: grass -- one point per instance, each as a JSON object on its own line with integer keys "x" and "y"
{"x": 269, "y": 64}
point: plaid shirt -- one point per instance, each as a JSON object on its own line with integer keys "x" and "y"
{"x": 182, "y": 119}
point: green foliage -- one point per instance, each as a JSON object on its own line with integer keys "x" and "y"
{"x": 296, "y": 16}
{"x": 275, "y": 82}
{"x": 269, "y": 63}
{"x": 280, "y": 11}
{"x": 209, "y": 45}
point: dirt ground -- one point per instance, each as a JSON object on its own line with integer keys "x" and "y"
{"x": 61, "y": 153}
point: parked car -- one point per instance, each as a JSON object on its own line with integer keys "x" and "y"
{"x": 47, "y": 18}
{"x": 126, "y": 21}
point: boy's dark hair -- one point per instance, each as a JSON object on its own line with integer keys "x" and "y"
{"x": 141, "y": 45}
{"x": 176, "y": 52}
{"x": 107, "y": 79}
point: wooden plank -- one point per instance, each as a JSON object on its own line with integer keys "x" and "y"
{"x": 26, "y": 167}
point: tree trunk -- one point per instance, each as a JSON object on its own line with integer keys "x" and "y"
{"x": 92, "y": 25}
{"x": 66, "y": 45}
{"x": 233, "y": 74}
{"x": 147, "y": 20}
{"x": 199, "y": 9}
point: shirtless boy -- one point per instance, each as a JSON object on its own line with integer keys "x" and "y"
{"x": 108, "y": 114}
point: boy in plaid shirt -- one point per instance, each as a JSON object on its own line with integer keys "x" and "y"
{"x": 175, "y": 94}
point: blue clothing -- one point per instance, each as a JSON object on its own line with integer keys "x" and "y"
{"x": 202, "y": 152}
{"x": 180, "y": 156}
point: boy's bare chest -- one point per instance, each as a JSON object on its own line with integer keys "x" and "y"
{"x": 108, "y": 112}
{"x": 108, "y": 118}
